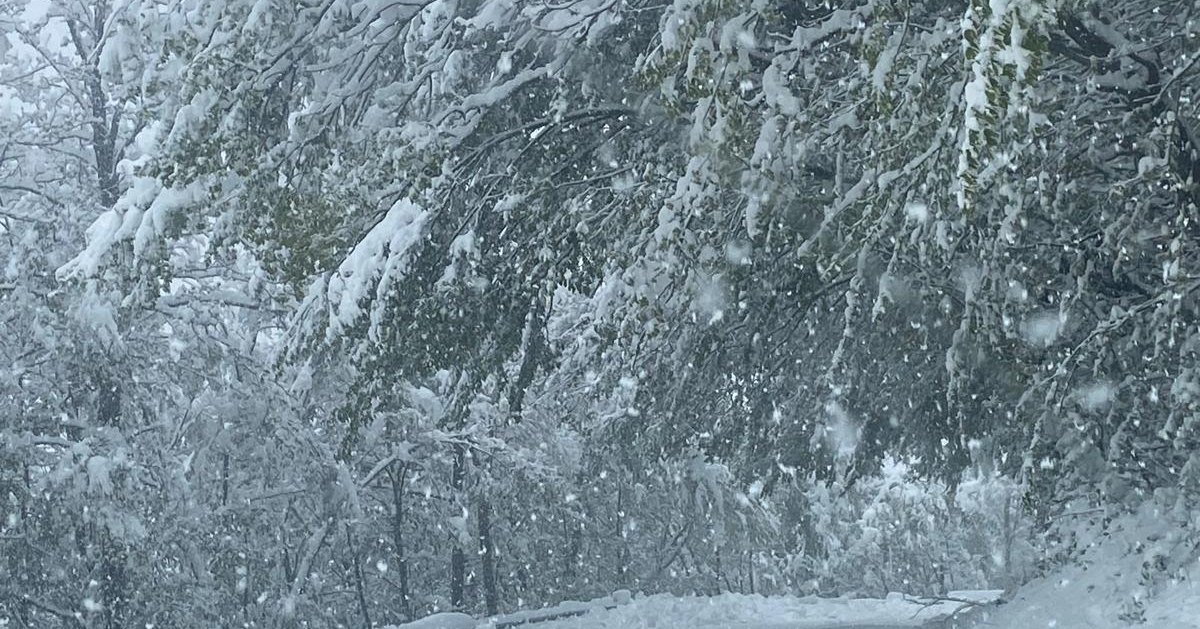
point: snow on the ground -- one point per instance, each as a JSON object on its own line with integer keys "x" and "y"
{"x": 1139, "y": 572}
{"x": 446, "y": 620}
{"x": 742, "y": 611}
{"x": 732, "y": 611}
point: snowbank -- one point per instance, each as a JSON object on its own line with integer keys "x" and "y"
{"x": 741, "y": 611}
{"x": 738, "y": 611}
{"x": 1140, "y": 571}
{"x": 447, "y": 620}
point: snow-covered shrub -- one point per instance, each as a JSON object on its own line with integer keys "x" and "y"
{"x": 893, "y": 532}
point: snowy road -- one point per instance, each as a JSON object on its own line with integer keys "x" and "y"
{"x": 732, "y": 611}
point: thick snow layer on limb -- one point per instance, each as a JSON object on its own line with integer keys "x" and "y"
{"x": 379, "y": 260}
{"x": 140, "y": 215}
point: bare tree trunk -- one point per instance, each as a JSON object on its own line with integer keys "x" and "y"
{"x": 359, "y": 580}
{"x": 113, "y": 581}
{"x": 750, "y": 569}
{"x": 574, "y": 555}
{"x": 104, "y": 126}
{"x": 114, "y": 586}
{"x": 621, "y": 542}
{"x": 487, "y": 553}
{"x": 225, "y": 479}
{"x": 398, "y": 540}
{"x": 458, "y": 560}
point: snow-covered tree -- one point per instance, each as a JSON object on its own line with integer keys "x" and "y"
{"x": 353, "y": 310}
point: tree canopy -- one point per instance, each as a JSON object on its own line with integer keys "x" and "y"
{"x": 350, "y": 310}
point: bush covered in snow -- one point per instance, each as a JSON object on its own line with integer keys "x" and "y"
{"x": 894, "y": 532}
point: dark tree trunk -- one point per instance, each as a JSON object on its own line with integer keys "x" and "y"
{"x": 619, "y": 538}
{"x": 103, "y": 125}
{"x": 487, "y": 554}
{"x": 113, "y": 585}
{"x": 360, "y": 585}
{"x": 458, "y": 560}
{"x": 398, "y": 541}
{"x": 225, "y": 480}
{"x": 108, "y": 400}
{"x": 574, "y": 555}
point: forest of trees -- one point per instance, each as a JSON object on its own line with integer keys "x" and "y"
{"x": 335, "y": 313}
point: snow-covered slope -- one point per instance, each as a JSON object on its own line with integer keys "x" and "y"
{"x": 1140, "y": 571}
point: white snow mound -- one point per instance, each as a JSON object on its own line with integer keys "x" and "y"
{"x": 446, "y": 620}
{"x": 1140, "y": 571}
{"x": 738, "y": 611}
